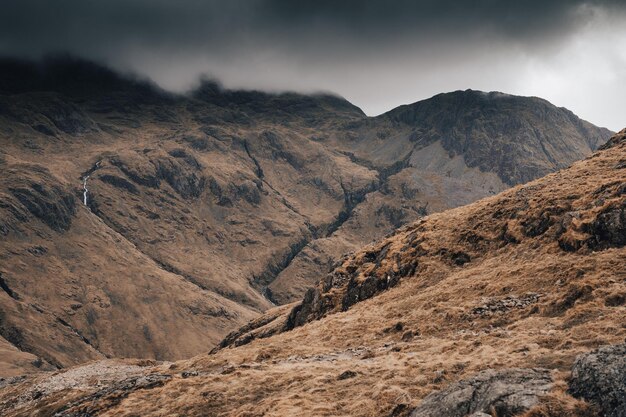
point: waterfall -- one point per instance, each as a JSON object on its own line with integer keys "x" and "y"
{"x": 85, "y": 178}
{"x": 85, "y": 190}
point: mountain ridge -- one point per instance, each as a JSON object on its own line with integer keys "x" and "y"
{"x": 61, "y": 73}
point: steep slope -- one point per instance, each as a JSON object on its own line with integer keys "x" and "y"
{"x": 92, "y": 294}
{"x": 204, "y": 210}
{"x": 442, "y": 153}
{"x": 529, "y": 278}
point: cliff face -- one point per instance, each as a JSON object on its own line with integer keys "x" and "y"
{"x": 206, "y": 209}
{"x": 496, "y": 306}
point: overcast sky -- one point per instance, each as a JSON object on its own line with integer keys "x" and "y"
{"x": 377, "y": 54}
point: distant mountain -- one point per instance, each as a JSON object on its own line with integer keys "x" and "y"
{"x": 204, "y": 210}
{"x": 503, "y": 306}
{"x": 535, "y": 136}
{"x": 437, "y": 154}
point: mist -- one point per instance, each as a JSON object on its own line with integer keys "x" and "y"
{"x": 376, "y": 54}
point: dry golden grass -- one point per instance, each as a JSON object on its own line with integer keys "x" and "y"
{"x": 560, "y": 404}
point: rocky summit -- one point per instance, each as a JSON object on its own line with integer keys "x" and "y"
{"x": 141, "y": 223}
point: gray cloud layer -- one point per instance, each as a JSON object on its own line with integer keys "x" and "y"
{"x": 378, "y": 54}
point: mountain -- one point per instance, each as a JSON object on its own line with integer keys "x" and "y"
{"x": 441, "y": 153}
{"x": 140, "y": 223}
{"x": 482, "y": 308}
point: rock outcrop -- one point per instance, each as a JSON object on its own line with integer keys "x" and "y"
{"x": 34, "y": 192}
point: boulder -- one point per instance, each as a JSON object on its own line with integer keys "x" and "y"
{"x": 502, "y": 393}
{"x": 600, "y": 377}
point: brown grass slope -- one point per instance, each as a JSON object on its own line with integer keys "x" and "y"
{"x": 528, "y": 278}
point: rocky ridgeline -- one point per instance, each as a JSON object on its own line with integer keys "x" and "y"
{"x": 32, "y": 191}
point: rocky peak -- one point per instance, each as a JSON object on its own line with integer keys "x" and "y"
{"x": 519, "y": 138}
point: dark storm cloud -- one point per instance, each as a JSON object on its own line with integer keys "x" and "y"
{"x": 36, "y": 26}
{"x": 444, "y": 16}
{"x": 377, "y": 53}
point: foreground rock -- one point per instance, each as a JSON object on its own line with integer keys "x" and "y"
{"x": 600, "y": 377}
{"x": 506, "y": 392}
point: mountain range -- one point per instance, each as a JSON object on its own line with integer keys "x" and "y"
{"x": 141, "y": 223}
